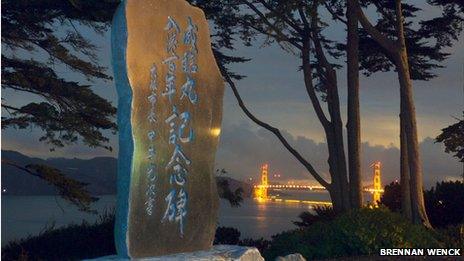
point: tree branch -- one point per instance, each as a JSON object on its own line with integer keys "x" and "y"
{"x": 330, "y": 76}
{"x": 381, "y": 10}
{"x": 291, "y": 41}
{"x": 303, "y": 19}
{"x": 310, "y": 88}
{"x": 318, "y": 46}
{"x": 273, "y": 27}
{"x": 274, "y": 130}
{"x": 334, "y": 15}
{"x": 69, "y": 189}
{"x": 283, "y": 16}
{"x": 13, "y": 164}
{"x": 7, "y": 107}
{"x": 388, "y": 44}
{"x": 20, "y": 88}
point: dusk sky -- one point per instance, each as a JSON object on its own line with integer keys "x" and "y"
{"x": 274, "y": 91}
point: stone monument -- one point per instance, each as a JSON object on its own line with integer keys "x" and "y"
{"x": 169, "y": 114}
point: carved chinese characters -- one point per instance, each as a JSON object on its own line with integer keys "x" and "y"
{"x": 169, "y": 113}
{"x": 151, "y": 135}
{"x": 176, "y": 209}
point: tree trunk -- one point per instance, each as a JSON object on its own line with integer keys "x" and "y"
{"x": 410, "y": 132}
{"x": 419, "y": 215}
{"x": 338, "y": 189}
{"x": 341, "y": 162}
{"x": 408, "y": 115}
{"x": 337, "y": 198}
{"x": 353, "y": 125}
{"x": 338, "y": 186}
{"x": 404, "y": 170}
{"x": 338, "y": 150}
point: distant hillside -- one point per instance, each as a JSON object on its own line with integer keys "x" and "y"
{"x": 99, "y": 172}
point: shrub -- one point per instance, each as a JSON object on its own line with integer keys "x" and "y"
{"x": 261, "y": 244}
{"x": 231, "y": 236}
{"x": 321, "y": 214}
{"x": 76, "y": 242}
{"x": 226, "y": 236}
{"x": 391, "y": 197}
{"x": 73, "y": 242}
{"x": 357, "y": 233}
{"x": 452, "y": 236}
{"x": 444, "y": 204}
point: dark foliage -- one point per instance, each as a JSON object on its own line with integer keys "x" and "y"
{"x": 39, "y": 38}
{"x": 356, "y": 233}
{"x": 453, "y": 139}
{"x": 391, "y": 197}
{"x": 234, "y": 197}
{"x": 449, "y": 5}
{"x": 445, "y": 204}
{"x": 69, "y": 189}
{"x": 76, "y": 242}
{"x": 231, "y": 236}
{"x": 73, "y": 242}
{"x": 321, "y": 214}
{"x": 50, "y": 35}
{"x": 452, "y": 236}
{"x": 227, "y": 236}
{"x": 426, "y": 40}
{"x": 38, "y": 43}
{"x": 297, "y": 27}
{"x": 224, "y": 32}
{"x": 261, "y": 244}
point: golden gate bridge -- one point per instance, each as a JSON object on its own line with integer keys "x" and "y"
{"x": 261, "y": 191}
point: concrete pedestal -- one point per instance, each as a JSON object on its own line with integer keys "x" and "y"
{"x": 216, "y": 253}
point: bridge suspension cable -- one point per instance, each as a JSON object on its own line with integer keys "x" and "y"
{"x": 261, "y": 191}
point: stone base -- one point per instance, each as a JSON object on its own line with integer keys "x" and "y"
{"x": 291, "y": 257}
{"x": 216, "y": 253}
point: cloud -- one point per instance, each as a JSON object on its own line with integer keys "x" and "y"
{"x": 243, "y": 148}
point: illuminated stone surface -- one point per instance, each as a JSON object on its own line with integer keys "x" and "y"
{"x": 291, "y": 257}
{"x": 216, "y": 253}
{"x": 169, "y": 116}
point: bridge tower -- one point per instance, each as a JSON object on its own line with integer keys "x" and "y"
{"x": 377, "y": 184}
{"x": 264, "y": 180}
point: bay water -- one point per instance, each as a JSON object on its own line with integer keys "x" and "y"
{"x": 22, "y": 216}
